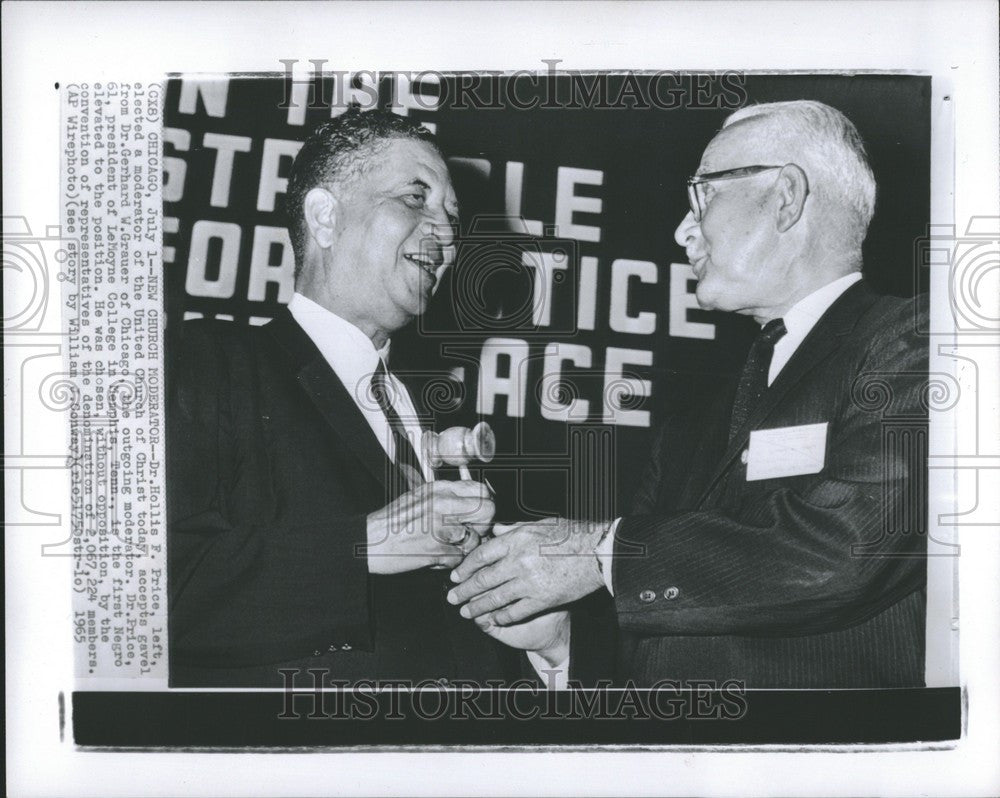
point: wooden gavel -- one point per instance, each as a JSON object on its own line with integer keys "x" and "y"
{"x": 459, "y": 446}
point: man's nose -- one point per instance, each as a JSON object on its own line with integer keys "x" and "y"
{"x": 441, "y": 228}
{"x": 686, "y": 230}
{"x": 445, "y": 233}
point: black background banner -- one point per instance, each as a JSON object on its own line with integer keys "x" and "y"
{"x": 571, "y": 187}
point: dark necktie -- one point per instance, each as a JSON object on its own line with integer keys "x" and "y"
{"x": 753, "y": 381}
{"x": 383, "y": 390}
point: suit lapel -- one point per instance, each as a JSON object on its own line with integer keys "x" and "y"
{"x": 823, "y": 340}
{"x": 328, "y": 394}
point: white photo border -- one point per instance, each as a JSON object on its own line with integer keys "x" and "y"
{"x": 46, "y": 43}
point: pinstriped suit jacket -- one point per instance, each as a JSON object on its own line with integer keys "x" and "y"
{"x": 804, "y": 581}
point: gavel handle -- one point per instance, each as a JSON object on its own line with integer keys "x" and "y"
{"x": 463, "y": 472}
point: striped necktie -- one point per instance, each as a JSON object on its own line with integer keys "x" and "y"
{"x": 753, "y": 381}
{"x": 383, "y": 391}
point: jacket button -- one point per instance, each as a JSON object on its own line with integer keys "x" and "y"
{"x": 745, "y": 456}
{"x": 316, "y": 653}
{"x": 333, "y": 647}
{"x": 646, "y": 596}
{"x": 671, "y": 593}
{"x": 345, "y": 647}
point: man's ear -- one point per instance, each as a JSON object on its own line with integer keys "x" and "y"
{"x": 793, "y": 188}
{"x": 320, "y": 212}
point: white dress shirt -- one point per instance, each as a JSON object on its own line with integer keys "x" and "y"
{"x": 354, "y": 358}
{"x": 799, "y": 321}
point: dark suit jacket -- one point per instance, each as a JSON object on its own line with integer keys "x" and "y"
{"x": 804, "y": 581}
{"x": 272, "y": 473}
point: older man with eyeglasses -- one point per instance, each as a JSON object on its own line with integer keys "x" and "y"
{"x": 777, "y": 535}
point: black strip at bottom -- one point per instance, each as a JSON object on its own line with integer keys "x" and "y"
{"x": 467, "y": 716}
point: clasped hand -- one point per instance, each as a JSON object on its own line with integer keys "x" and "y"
{"x": 528, "y": 568}
{"x": 435, "y": 523}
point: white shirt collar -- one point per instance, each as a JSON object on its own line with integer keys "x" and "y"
{"x": 354, "y": 358}
{"x": 802, "y": 317}
{"x": 350, "y": 353}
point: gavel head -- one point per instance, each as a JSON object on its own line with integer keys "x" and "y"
{"x": 459, "y": 446}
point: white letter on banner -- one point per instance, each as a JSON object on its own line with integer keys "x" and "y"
{"x": 214, "y": 93}
{"x": 622, "y": 272}
{"x": 175, "y": 169}
{"x": 544, "y": 264}
{"x": 226, "y": 148}
{"x": 567, "y": 202}
{"x": 270, "y": 183}
{"x": 491, "y": 385}
{"x": 680, "y": 300}
{"x": 262, "y": 271}
{"x": 171, "y": 224}
{"x": 555, "y": 355}
{"x": 513, "y": 192}
{"x": 617, "y": 386}
{"x": 197, "y": 284}
{"x": 300, "y": 92}
{"x": 586, "y": 317}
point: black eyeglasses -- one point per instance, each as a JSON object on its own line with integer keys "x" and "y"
{"x": 696, "y": 192}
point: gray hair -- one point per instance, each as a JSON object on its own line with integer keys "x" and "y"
{"x": 827, "y": 146}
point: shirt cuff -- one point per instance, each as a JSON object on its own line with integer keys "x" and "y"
{"x": 605, "y": 553}
{"x": 555, "y": 677}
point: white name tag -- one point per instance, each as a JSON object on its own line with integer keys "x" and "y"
{"x": 786, "y": 451}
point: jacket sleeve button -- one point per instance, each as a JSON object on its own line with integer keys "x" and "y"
{"x": 646, "y": 596}
{"x": 671, "y": 593}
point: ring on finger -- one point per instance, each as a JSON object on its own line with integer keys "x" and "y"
{"x": 469, "y": 532}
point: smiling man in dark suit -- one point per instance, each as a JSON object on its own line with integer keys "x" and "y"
{"x": 304, "y": 520}
{"x": 775, "y": 537}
